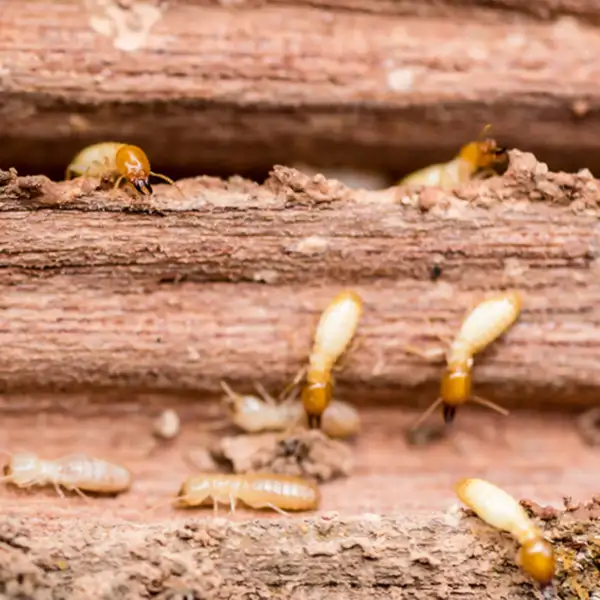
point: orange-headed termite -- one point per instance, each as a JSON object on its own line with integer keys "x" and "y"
{"x": 118, "y": 162}
{"x": 76, "y": 472}
{"x": 335, "y": 330}
{"x": 500, "y": 510}
{"x": 486, "y": 322}
{"x": 256, "y": 414}
{"x": 281, "y": 493}
{"x": 482, "y": 156}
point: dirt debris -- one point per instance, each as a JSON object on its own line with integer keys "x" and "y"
{"x": 309, "y": 453}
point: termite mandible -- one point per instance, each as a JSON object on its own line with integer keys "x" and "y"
{"x": 486, "y": 322}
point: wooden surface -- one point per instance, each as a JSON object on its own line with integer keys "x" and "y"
{"x": 103, "y": 291}
{"x": 389, "y": 530}
{"x": 237, "y": 87}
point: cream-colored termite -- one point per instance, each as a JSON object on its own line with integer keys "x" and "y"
{"x": 500, "y": 510}
{"x": 333, "y": 334}
{"x": 278, "y": 492}
{"x": 256, "y": 414}
{"x": 117, "y": 161}
{"x": 480, "y": 157}
{"x": 75, "y": 472}
{"x": 486, "y": 322}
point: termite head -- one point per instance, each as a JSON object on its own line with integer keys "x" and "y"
{"x": 536, "y": 557}
{"x": 246, "y": 412}
{"x": 22, "y": 468}
{"x": 455, "y": 389}
{"x": 485, "y": 155}
{"x": 316, "y": 397}
{"x": 133, "y": 164}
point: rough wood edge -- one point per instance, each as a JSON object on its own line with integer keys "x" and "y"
{"x": 540, "y": 236}
{"x": 326, "y": 556}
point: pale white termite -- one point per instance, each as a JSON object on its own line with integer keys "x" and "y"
{"x": 500, "y": 510}
{"x": 280, "y": 493}
{"x": 76, "y": 472}
{"x": 256, "y": 414}
{"x": 335, "y": 330}
{"x": 486, "y": 322}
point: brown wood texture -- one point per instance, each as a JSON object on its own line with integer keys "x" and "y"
{"x": 326, "y": 557}
{"x": 237, "y": 87}
{"x": 389, "y": 530}
{"x": 102, "y": 290}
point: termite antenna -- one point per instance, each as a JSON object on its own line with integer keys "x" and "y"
{"x": 168, "y": 180}
{"x": 490, "y": 404}
{"x": 170, "y": 502}
{"x": 290, "y": 386}
{"x": 427, "y": 413}
{"x": 231, "y": 396}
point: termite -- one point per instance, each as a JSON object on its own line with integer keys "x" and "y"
{"x": 500, "y": 510}
{"x": 256, "y": 414}
{"x": 281, "y": 493}
{"x": 479, "y": 157}
{"x": 486, "y": 322}
{"x": 335, "y": 330}
{"x": 76, "y": 472}
{"x": 116, "y": 161}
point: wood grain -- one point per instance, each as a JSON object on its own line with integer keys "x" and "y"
{"x": 104, "y": 290}
{"x": 238, "y": 88}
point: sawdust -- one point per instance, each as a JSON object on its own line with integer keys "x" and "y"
{"x": 308, "y": 453}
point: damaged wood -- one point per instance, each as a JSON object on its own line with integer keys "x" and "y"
{"x": 244, "y": 85}
{"x": 327, "y": 556}
{"x": 105, "y": 290}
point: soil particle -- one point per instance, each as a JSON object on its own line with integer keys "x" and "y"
{"x": 309, "y": 453}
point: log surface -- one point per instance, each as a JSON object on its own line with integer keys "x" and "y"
{"x": 102, "y": 290}
{"x": 363, "y": 557}
{"x": 238, "y": 87}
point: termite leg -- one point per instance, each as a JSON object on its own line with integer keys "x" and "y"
{"x": 444, "y": 337}
{"x": 290, "y": 386}
{"x": 427, "y": 413}
{"x": 84, "y": 175}
{"x": 215, "y": 507}
{"x": 291, "y": 397}
{"x": 232, "y": 503}
{"x": 277, "y": 509}
{"x": 355, "y": 344}
{"x": 58, "y": 490}
{"x": 118, "y": 181}
{"x": 432, "y": 355}
{"x": 81, "y": 494}
{"x": 490, "y": 404}
{"x": 262, "y": 392}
